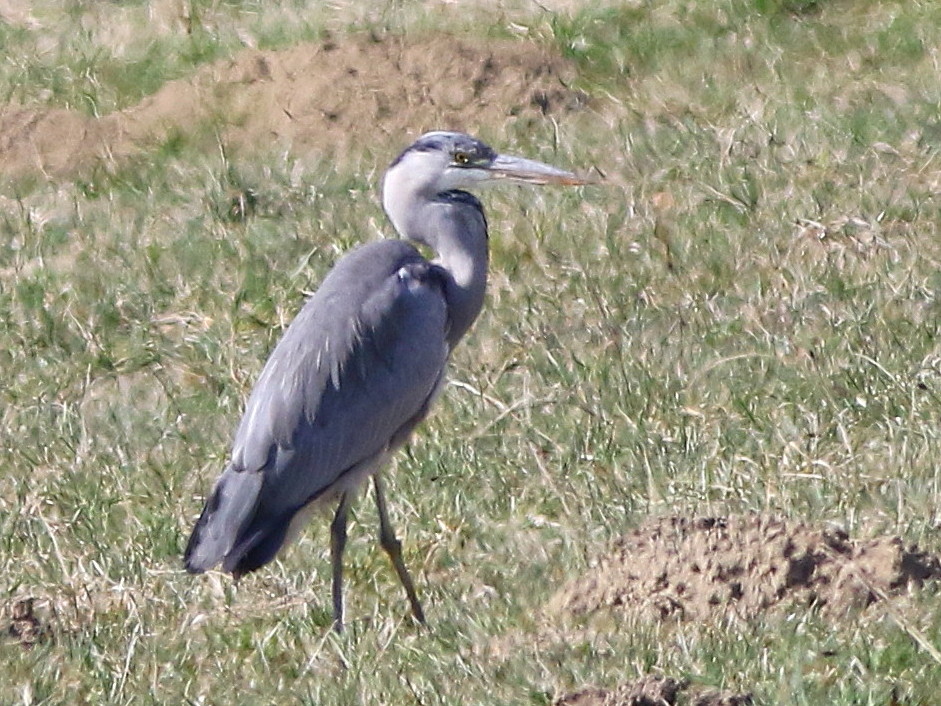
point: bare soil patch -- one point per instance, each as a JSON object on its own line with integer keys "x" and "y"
{"x": 323, "y": 96}
{"x": 25, "y": 628}
{"x": 653, "y": 690}
{"x": 743, "y": 567}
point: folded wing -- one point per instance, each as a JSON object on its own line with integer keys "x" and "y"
{"x": 352, "y": 376}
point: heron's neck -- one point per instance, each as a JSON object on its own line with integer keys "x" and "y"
{"x": 453, "y": 225}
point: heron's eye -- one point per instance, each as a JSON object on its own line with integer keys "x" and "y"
{"x": 461, "y": 158}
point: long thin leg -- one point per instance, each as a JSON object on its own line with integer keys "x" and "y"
{"x": 393, "y": 548}
{"x": 337, "y": 545}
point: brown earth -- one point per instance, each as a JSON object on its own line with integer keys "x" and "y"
{"x": 742, "y": 567}
{"x": 653, "y": 691}
{"x": 24, "y": 628}
{"x": 311, "y": 97}
{"x": 720, "y": 568}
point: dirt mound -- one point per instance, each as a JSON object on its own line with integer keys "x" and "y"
{"x": 693, "y": 569}
{"x": 653, "y": 691}
{"x": 320, "y": 96}
{"x": 25, "y": 629}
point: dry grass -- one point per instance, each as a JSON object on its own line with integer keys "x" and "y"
{"x": 744, "y": 317}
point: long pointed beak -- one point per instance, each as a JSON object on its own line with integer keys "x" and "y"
{"x": 529, "y": 171}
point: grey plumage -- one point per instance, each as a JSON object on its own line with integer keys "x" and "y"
{"x": 359, "y": 367}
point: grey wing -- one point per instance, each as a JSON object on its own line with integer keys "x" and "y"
{"x": 354, "y": 372}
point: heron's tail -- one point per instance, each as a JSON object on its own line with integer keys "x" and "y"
{"x": 227, "y": 512}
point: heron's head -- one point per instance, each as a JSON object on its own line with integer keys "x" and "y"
{"x": 443, "y": 161}
{"x": 439, "y": 162}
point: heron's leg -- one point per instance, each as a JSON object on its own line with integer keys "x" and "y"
{"x": 337, "y": 544}
{"x": 393, "y": 548}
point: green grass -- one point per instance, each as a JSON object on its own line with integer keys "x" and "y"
{"x": 744, "y": 316}
{"x": 101, "y": 56}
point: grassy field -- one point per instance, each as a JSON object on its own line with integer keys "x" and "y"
{"x": 745, "y": 316}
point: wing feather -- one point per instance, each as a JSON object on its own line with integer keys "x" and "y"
{"x": 354, "y": 372}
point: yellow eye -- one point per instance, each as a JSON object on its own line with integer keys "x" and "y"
{"x": 461, "y": 158}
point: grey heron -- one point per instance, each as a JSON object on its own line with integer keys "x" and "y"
{"x": 360, "y": 365}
